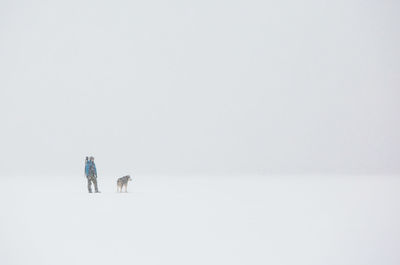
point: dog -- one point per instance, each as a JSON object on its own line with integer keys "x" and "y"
{"x": 123, "y": 182}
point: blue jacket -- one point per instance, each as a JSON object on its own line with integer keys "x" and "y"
{"x": 88, "y": 165}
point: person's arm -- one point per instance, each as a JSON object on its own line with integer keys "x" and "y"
{"x": 87, "y": 169}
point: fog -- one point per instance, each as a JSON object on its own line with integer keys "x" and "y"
{"x": 200, "y": 88}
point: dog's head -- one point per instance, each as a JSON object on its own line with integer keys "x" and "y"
{"x": 128, "y": 178}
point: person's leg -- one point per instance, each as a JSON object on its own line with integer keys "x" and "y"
{"x": 94, "y": 179}
{"x": 89, "y": 185}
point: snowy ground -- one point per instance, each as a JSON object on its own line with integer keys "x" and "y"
{"x": 201, "y": 220}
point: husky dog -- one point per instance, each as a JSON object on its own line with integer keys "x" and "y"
{"x": 123, "y": 182}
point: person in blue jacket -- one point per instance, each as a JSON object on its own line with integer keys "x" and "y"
{"x": 91, "y": 174}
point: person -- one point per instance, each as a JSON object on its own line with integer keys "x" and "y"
{"x": 91, "y": 174}
{"x": 86, "y": 161}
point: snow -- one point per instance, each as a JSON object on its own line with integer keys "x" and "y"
{"x": 201, "y": 220}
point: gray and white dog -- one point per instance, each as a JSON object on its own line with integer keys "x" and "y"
{"x": 123, "y": 182}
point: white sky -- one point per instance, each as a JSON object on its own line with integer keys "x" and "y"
{"x": 205, "y": 87}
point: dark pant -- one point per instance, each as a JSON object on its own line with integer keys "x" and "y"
{"x": 89, "y": 185}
